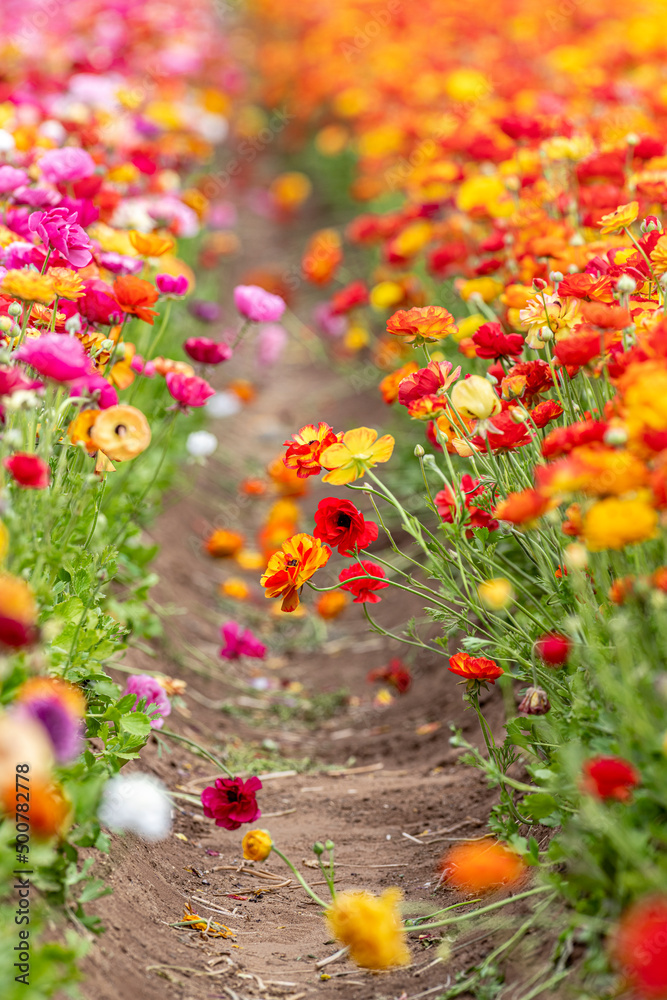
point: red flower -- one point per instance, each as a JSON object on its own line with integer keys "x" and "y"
{"x": 580, "y": 348}
{"x": 504, "y": 434}
{"x": 491, "y": 342}
{"x": 537, "y": 374}
{"x": 426, "y": 381}
{"x": 232, "y": 801}
{"x": 29, "y": 471}
{"x": 639, "y": 947}
{"x": 475, "y": 668}
{"x": 135, "y": 296}
{"x": 354, "y": 294}
{"x": 609, "y": 778}
{"x": 396, "y": 674}
{"x": 561, "y": 440}
{"x": 207, "y": 351}
{"x": 545, "y": 412}
{"x": 338, "y": 522}
{"x": 553, "y": 648}
{"x": 363, "y": 590}
{"x": 304, "y": 450}
{"x": 446, "y": 501}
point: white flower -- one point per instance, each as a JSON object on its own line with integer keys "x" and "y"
{"x": 223, "y": 404}
{"x": 137, "y": 803}
{"x": 7, "y": 143}
{"x": 201, "y": 444}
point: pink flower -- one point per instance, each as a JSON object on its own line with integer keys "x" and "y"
{"x": 169, "y": 285}
{"x": 12, "y": 379}
{"x": 59, "y": 230}
{"x": 232, "y": 801}
{"x": 188, "y": 390}
{"x": 63, "y": 166}
{"x": 55, "y": 355}
{"x": 101, "y": 392}
{"x": 147, "y": 687}
{"x": 258, "y": 305}
{"x": 29, "y": 471}
{"x": 11, "y": 178}
{"x": 207, "y": 351}
{"x": 98, "y": 304}
{"x": 240, "y": 642}
{"x": 271, "y": 342}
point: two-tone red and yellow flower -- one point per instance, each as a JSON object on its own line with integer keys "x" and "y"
{"x": 306, "y": 447}
{"x": 358, "y": 450}
{"x": 475, "y": 668}
{"x": 422, "y": 324}
{"x": 298, "y": 560}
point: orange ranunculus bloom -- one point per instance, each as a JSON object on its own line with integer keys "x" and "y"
{"x": 306, "y": 447}
{"x": 614, "y": 523}
{"x": 331, "y": 604}
{"x": 222, "y": 543}
{"x": 79, "y": 429}
{"x": 522, "y": 508}
{"x": 358, "y": 450}
{"x": 390, "y": 383}
{"x": 135, "y": 296}
{"x": 165, "y": 365}
{"x": 427, "y": 324}
{"x": 481, "y": 866}
{"x": 595, "y": 471}
{"x": 322, "y": 256}
{"x": 475, "y": 668}
{"x": 151, "y": 244}
{"x": 300, "y": 557}
{"x": 120, "y": 432}
{"x": 50, "y": 810}
{"x": 286, "y": 480}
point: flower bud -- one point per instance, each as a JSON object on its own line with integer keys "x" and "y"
{"x": 615, "y": 436}
{"x": 555, "y": 277}
{"x": 318, "y": 848}
{"x": 539, "y": 284}
{"x": 419, "y": 451}
{"x": 329, "y": 845}
{"x": 14, "y": 309}
{"x": 5, "y": 324}
{"x": 534, "y": 702}
{"x": 626, "y": 284}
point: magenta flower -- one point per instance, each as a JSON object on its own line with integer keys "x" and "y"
{"x": 169, "y": 285}
{"x": 101, "y": 392}
{"x": 11, "y": 178}
{"x": 119, "y": 263}
{"x": 55, "y": 355}
{"x": 58, "y": 230}
{"x": 188, "y": 390}
{"x": 207, "y": 351}
{"x": 257, "y": 304}
{"x": 147, "y": 687}
{"x": 240, "y": 642}
{"x": 271, "y": 342}
{"x": 232, "y": 801}
{"x": 98, "y": 304}
{"x": 13, "y": 379}
{"x": 64, "y": 729}
{"x": 67, "y": 165}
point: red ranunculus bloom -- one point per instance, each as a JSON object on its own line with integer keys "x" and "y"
{"x": 207, "y": 351}
{"x": 354, "y": 294}
{"x": 553, "y": 648}
{"x": 396, "y": 674}
{"x": 491, "y": 342}
{"x": 639, "y": 947}
{"x": 504, "y": 434}
{"x": 304, "y": 450}
{"x": 338, "y": 522}
{"x": 477, "y": 517}
{"x": 545, "y": 412}
{"x": 426, "y": 382}
{"x": 232, "y": 801}
{"x": 29, "y": 471}
{"x": 363, "y": 590}
{"x": 475, "y": 668}
{"x": 609, "y": 778}
{"x": 562, "y": 440}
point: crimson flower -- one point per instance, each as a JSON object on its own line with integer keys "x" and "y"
{"x": 475, "y": 668}
{"x": 338, "y": 522}
{"x": 639, "y": 947}
{"x": 504, "y": 434}
{"x": 240, "y": 642}
{"x": 490, "y": 342}
{"x": 553, "y": 648}
{"x": 207, "y": 351}
{"x": 545, "y": 412}
{"x": 396, "y": 674}
{"x": 232, "y": 801}
{"x": 354, "y": 294}
{"x": 446, "y": 500}
{"x": 363, "y": 590}
{"x": 427, "y": 381}
{"x": 609, "y": 778}
{"x": 29, "y": 471}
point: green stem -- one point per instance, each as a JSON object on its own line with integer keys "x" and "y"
{"x": 299, "y": 877}
{"x": 485, "y": 909}
{"x": 205, "y": 753}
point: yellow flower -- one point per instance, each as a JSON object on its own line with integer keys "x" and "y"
{"x": 66, "y": 284}
{"x": 496, "y": 594}
{"x": 386, "y": 294}
{"x": 235, "y": 588}
{"x": 121, "y": 432}
{"x": 257, "y": 845}
{"x": 553, "y": 321}
{"x": 28, "y": 285}
{"x": 487, "y": 288}
{"x": 467, "y": 326}
{"x": 613, "y": 524}
{"x": 620, "y": 218}
{"x": 474, "y": 399}
{"x": 151, "y": 244}
{"x": 371, "y": 928}
{"x": 659, "y": 256}
{"x": 359, "y": 450}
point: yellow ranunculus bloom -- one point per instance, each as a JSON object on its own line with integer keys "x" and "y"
{"x": 359, "y": 450}
{"x": 621, "y": 217}
{"x": 496, "y": 594}
{"x": 257, "y": 845}
{"x": 474, "y": 399}
{"x": 613, "y": 524}
{"x": 370, "y": 926}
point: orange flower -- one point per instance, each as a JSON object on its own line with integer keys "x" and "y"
{"x": 522, "y": 508}
{"x": 475, "y": 668}
{"x": 322, "y": 256}
{"x": 66, "y": 284}
{"x": 120, "y": 432}
{"x": 50, "y": 810}
{"x": 80, "y": 427}
{"x": 481, "y": 866}
{"x": 286, "y": 481}
{"x": 151, "y": 244}
{"x": 331, "y": 604}
{"x": 224, "y": 543}
{"x": 300, "y": 557}
{"x": 427, "y": 324}
{"x": 252, "y": 487}
{"x": 306, "y": 447}
{"x": 390, "y": 383}
{"x": 135, "y": 296}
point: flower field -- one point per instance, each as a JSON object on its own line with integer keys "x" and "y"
{"x": 333, "y": 500}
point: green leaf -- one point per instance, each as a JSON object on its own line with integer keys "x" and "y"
{"x": 539, "y": 806}
{"x": 137, "y": 724}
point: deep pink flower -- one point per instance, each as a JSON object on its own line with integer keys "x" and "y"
{"x": 13, "y": 379}
{"x": 59, "y": 230}
{"x": 271, "y": 342}
{"x": 55, "y": 355}
{"x": 101, "y": 392}
{"x": 170, "y": 285}
{"x": 257, "y": 304}
{"x": 554, "y": 648}
{"x": 119, "y": 263}
{"x": 240, "y": 642}
{"x": 63, "y": 166}
{"x": 147, "y": 687}
{"x": 232, "y": 801}
{"x": 207, "y": 351}
{"x": 29, "y": 471}
{"x": 11, "y": 178}
{"x": 98, "y": 303}
{"x": 188, "y": 390}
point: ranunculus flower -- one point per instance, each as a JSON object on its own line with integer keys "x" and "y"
{"x": 639, "y": 947}
{"x": 98, "y": 304}
{"x": 363, "y": 589}
{"x": 96, "y": 386}
{"x": 475, "y": 668}
{"x": 63, "y": 166}
{"x": 257, "y": 845}
{"x": 207, "y": 351}
{"x": 475, "y": 399}
{"x": 340, "y": 523}
{"x": 136, "y": 296}
{"x": 171, "y": 285}
{"x": 553, "y": 648}
{"x": 29, "y": 471}
{"x": 395, "y": 673}
{"x": 145, "y": 686}
{"x": 427, "y": 381}
{"x": 371, "y": 927}
{"x": 609, "y": 778}
{"x": 481, "y": 866}
{"x": 188, "y": 390}
{"x": 258, "y": 305}
{"x": 56, "y": 356}
{"x": 304, "y": 450}
{"x": 59, "y": 707}
{"x": 11, "y": 178}
{"x": 491, "y": 342}
{"x": 232, "y": 801}
{"x": 357, "y": 451}
{"x": 59, "y": 230}
{"x": 240, "y": 642}
{"x": 271, "y": 342}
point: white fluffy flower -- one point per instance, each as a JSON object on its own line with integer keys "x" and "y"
{"x": 223, "y": 404}
{"x": 201, "y": 444}
{"x": 136, "y": 803}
